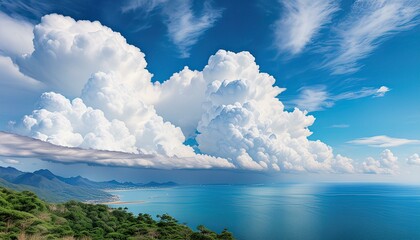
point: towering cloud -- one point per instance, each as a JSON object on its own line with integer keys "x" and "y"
{"x": 181, "y": 100}
{"x": 85, "y": 59}
{"x": 243, "y": 120}
{"x": 68, "y": 52}
{"x": 101, "y": 97}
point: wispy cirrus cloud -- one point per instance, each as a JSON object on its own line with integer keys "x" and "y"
{"x": 300, "y": 22}
{"x": 26, "y": 8}
{"x": 184, "y": 26}
{"x": 364, "y": 92}
{"x": 318, "y": 98}
{"x": 146, "y": 5}
{"x": 313, "y": 99}
{"x": 383, "y": 141}
{"x": 369, "y": 23}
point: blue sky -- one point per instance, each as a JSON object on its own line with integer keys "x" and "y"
{"x": 353, "y": 65}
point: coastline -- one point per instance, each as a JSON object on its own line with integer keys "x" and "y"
{"x": 122, "y": 202}
{"x": 115, "y": 199}
{"x": 108, "y": 190}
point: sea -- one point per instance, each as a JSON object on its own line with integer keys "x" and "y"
{"x": 288, "y": 211}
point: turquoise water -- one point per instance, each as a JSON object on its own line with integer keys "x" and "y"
{"x": 289, "y": 211}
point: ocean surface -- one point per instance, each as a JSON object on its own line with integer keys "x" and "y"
{"x": 289, "y": 211}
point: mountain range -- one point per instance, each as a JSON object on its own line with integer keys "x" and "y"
{"x": 53, "y": 188}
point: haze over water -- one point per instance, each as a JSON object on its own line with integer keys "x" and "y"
{"x": 290, "y": 211}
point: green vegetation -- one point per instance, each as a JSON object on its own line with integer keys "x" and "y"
{"x": 24, "y": 216}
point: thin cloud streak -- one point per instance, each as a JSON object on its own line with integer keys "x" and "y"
{"x": 300, "y": 23}
{"x": 367, "y": 26}
{"x": 383, "y": 141}
{"x": 15, "y": 146}
{"x": 146, "y": 5}
{"x": 340, "y": 126}
{"x": 364, "y": 92}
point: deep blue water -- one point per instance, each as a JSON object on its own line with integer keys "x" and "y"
{"x": 289, "y": 211}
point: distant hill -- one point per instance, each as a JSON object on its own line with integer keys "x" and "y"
{"x": 53, "y": 188}
{"x": 160, "y": 185}
{"x": 9, "y": 173}
{"x": 48, "y": 186}
{"x": 81, "y": 181}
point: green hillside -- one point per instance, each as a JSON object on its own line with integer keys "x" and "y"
{"x": 24, "y": 216}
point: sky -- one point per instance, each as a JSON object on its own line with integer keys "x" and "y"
{"x": 212, "y": 91}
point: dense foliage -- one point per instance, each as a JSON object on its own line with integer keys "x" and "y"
{"x": 24, "y": 216}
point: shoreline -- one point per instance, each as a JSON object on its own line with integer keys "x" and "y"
{"x": 122, "y": 202}
{"x": 115, "y": 198}
{"x": 136, "y": 188}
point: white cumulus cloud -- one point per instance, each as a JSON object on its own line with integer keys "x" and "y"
{"x": 73, "y": 124}
{"x": 68, "y": 52}
{"x": 100, "y": 97}
{"x": 414, "y": 159}
{"x": 114, "y": 110}
{"x": 181, "y": 99}
{"x": 387, "y": 164}
{"x": 245, "y": 121}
